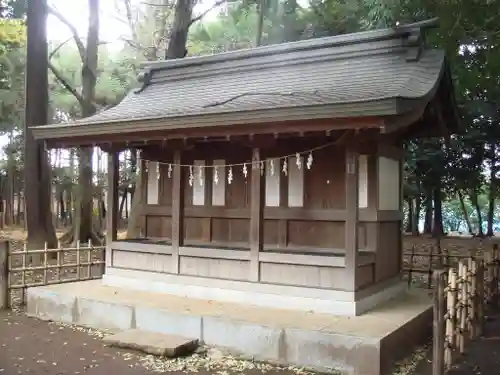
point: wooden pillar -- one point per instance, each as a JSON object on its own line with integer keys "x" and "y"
{"x": 4, "y": 275}
{"x": 112, "y": 204}
{"x": 178, "y": 188}
{"x": 351, "y": 223}
{"x": 401, "y": 221}
{"x": 283, "y": 223}
{"x": 256, "y": 215}
{"x": 144, "y": 195}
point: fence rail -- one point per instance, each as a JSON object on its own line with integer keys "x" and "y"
{"x": 22, "y": 268}
{"x": 418, "y": 266}
{"x": 461, "y": 296}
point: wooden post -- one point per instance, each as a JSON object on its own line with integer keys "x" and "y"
{"x": 438, "y": 343}
{"x": 4, "y": 275}
{"x": 451, "y": 301}
{"x": 178, "y": 188}
{"x": 487, "y": 277}
{"x": 480, "y": 301}
{"x": 472, "y": 298}
{"x": 351, "y": 223}
{"x": 496, "y": 273}
{"x": 112, "y": 203}
{"x": 463, "y": 305}
{"x": 256, "y": 214}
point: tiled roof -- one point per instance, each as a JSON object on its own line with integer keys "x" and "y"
{"x": 363, "y": 74}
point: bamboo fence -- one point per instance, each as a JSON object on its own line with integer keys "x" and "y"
{"x": 462, "y": 295}
{"x": 22, "y": 268}
{"x": 423, "y": 263}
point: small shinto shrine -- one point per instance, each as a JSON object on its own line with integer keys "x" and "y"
{"x": 272, "y": 179}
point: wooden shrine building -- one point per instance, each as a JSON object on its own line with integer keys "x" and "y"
{"x": 273, "y": 176}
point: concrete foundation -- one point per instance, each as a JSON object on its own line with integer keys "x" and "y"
{"x": 325, "y": 301}
{"x": 363, "y": 345}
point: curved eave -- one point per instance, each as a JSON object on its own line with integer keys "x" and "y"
{"x": 377, "y": 108}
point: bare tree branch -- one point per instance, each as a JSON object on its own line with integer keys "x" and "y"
{"x": 74, "y": 32}
{"x": 55, "y": 50}
{"x": 131, "y": 24}
{"x": 156, "y": 5}
{"x": 68, "y": 86}
{"x": 215, "y": 5}
{"x": 64, "y": 83}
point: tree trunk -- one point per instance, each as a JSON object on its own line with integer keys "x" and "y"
{"x": 289, "y": 21}
{"x": 437, "y": 230}
{"x": 416, "y": 219}
{"x": 409, "y": 223}
{"x": 11, "y": 172}
{"x": 261, "y": 12}
{"x": 176, "y": 49}
{"x": 178, "y": 38}
{"x": 428, "y": 214}
{"x": 465, "y": 212}
{"x": 475, "y": 202}
{"x": 37, "y": 176}
{"x": 82, "y": 229}
{"x": 20, "y": 198}
{"x": 491, "y": 194}
{"x": 123, "y": 201}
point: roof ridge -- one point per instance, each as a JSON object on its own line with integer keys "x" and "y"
{"x": 409, "y": 36}
{"x": 301, "y": 45}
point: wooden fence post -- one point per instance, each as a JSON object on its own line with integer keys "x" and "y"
{"x": 495, "y": 275}
{"x": 480, "y": 298}
{"x": 4, "y": 275}
{"x": 463, "y": 298}
{"x": 438, "y": 337}
{"x": 451, "y": 319}
{"x": 472, "y": 298}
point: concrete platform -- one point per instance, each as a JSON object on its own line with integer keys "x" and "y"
{"x": 362, "y": 345}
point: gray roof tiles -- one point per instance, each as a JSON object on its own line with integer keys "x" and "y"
{"x": 356, "y": 68}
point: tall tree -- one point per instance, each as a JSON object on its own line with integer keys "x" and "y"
{"x": 37, "y": 174}
{"x": 176, "y": 47}
{"x": 83, "y": 228}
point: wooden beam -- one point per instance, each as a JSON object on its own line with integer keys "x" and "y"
{"x": 351, "y": 224}
{"x": 270, "y": 213}
{"x": 143, "y": 175}
{"x": 256, "y": 215}
{"x": 178, "y": 188}
{"x": 112, "y": 204}
{"x": 271, "y": 128}
{"x": 282, "y": 223}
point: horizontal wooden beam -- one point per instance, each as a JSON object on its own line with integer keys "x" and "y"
{"x": 274, "y": 213}
{"x": 289, "y": 127}
{"x": 368, "y": 215}
{"x": 270, "y": 213}
{"x": 323, "y": 258}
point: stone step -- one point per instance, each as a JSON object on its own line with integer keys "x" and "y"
{"x": 155, "y": 343}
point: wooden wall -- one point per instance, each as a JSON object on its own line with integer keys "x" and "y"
{"x": 317, "y": 224}
{"x": 299, "y": 222}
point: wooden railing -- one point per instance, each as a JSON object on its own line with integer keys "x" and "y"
{"x": 462, "y": 294}
{"x": 418, "y": 265}
{"x": 22, "y": 268}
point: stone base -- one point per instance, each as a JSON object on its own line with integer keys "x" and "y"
{"x": 364, "y": 345}
{"x": 155, "y": 343}
{"x": 327, "y": 301}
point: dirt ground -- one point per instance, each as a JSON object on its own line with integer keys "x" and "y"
{"x": 32, "y": 346}
{"x": 482, "y": 356}
{"x": 28, "y": 345}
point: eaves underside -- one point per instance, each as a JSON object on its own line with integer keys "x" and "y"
{"x": 378, "y": 108}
